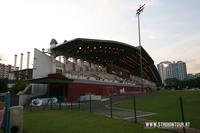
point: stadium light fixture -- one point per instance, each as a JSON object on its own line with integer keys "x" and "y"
{"x": 138, "y": 11}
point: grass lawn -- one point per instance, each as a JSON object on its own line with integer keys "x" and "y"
{"x": 166, "y": 104}
{"x": 76, "y": 121}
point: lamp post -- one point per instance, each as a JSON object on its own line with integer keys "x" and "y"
{"x": 138, "y": 11}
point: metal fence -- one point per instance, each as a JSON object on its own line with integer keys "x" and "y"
{"x": 106, "y": 107}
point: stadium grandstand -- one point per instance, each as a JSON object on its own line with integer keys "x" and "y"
{"x": 101, "y": 67}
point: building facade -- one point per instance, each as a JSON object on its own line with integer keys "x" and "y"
{"x": 25, "y": 74}
{"x": 5, "y": 69}
{"x": 193, "y": 76}
{"x": 162, "y": 68}
{"x": 181, "y": 70}
{"x": 169, "y": 69}
{"x": 197, "y": 75}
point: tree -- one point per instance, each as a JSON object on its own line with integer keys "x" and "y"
{"x": 181, "y": 84}
{"x": 19, "y": 86}
{"x": 197, "y": 84}
{"x": 3, "y": 85}
{"x": 172, "y": 83}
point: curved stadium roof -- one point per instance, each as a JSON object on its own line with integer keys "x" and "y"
{"x": 110, "y": 53}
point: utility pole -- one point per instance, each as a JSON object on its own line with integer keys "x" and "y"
{"x": 138, "y": 11}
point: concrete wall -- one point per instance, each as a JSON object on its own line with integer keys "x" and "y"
{"x": 42, "y": 66}
{"x": 75, "y": 90}
{"x": 16, "y": 117}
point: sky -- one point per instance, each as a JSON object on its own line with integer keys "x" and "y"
{"x": 170, "y": 29}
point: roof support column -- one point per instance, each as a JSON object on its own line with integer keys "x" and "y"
{"x": 81, "y": 65}
{"x": 59, "y": 58}
{"x": 65, "y": 64}
{"x": 96, "y": 68}
{"x": 92, "y": 67}
{"x": 74, "y": 64}
{"x": 53, "y": 63}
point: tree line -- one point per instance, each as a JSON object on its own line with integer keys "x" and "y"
{"x": 173, "y": 83}
{"x": 18, "y": 86}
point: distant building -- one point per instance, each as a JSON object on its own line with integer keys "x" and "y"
{"x": 5, "y": 69}
{"x": 176, "y": 70}
{"x": 181, "y": 70}
{"x": 197, "y": 75}
{"x": 25, "y": 74}
{"x": 190, "y": 76}
{"x": 19, "y": 73}
{"x": 162, "y": 68}
{"x": 193, "y": 76}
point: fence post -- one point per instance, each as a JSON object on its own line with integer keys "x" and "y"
{"x": 111, "y": 106}
{"x": 134, "y": 107}
{"x": 30, "y": 105}
{"x": 182, "y": 112}
{"x": 7, "y": 120}
{"x": 59, "y": 104}
{"x": 51, "y": 106}
{"x": 70, "y": 103}
{"x": 90, "y": 103}
{"x": 79, "y": 104}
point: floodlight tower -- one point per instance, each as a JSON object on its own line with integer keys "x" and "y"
{"x": 138, "y": 11}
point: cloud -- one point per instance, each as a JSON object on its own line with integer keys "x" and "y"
{"x": 186, "y": 49}
{"x": 3, "y": 58}
{"x": 191, "y": 60}
{"x": 195, "y": 68}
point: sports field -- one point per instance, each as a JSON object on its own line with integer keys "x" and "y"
{"x": 76, "y": 121}
{"x": 166, "y": 105}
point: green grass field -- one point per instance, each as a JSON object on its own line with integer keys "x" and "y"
{"x": 76, "y": 121}
{"x": 166, "y": 104}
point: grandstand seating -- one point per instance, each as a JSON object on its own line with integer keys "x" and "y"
{"x": 99, "y": 74}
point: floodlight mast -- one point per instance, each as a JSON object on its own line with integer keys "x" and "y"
{"x": 138, "y": 11}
